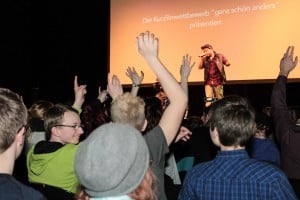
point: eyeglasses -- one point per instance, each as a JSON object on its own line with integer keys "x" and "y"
{"x": 77, "y": 126}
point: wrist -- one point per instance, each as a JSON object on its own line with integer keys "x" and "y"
{"x": 136, "y": 85}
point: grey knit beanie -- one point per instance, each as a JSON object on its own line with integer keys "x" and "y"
{"x": 112, "y": 160}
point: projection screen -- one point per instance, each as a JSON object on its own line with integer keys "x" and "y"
{"x": 252, "y": 34}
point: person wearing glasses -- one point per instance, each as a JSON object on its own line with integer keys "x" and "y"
{"x": 13, "y": 131}
{"x": 50, "y": 163}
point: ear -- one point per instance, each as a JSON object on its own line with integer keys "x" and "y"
{"x": 55, "y": 132}
{"x": 215, "y": 136}
{"x": 214, "y": 133}
{"x": 20, "y": 136}
{"x": 144, "y": 125}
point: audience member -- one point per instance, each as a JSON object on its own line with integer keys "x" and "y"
{"x": 13, "y": 127}
{"x": 113, "y": 163}
{"x": 36, "y": 122}
{"x": 262, "y": 145}
{"x": 232, "y": 174}
{"x": 286, "y": 130}
{"x": 130, "y": 110}
{"x": 50, "y": 163}
{"x": 37, "y": 133}
{"x": 95, "y": 113}
{"x": 153, "y": 112}
{"x": 199, "y": 148}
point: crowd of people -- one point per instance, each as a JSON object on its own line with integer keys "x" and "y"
{"x": 122, "y": 146}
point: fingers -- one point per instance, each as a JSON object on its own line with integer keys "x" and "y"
{"x": 75, "y": 81}
{"x": 296, "y": 60}
{"x": 292, "y": 51}
{"x": 147, "y": 37}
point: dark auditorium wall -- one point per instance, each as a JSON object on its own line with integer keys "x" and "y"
{"x": 46, "y": 43}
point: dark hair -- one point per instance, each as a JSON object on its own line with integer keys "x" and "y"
{"x": 234, "y": 118}
{"x": 264, "y": 122}
{"x": 94, "y": 113}
{"x": 153, "y": 112}
{"x": 192, "y": 123}
{"x": 208, "y": 46}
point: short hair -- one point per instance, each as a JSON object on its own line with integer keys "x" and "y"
{"x": 234, "y": 119}
{"x": 54, "y": 116}
{"x": 13, "y": 116}
{"x": 128, "y": 109}
{"x": 153, "y": 112}
{"x": 206, "y": 46}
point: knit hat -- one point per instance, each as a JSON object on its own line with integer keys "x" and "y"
{"x": 112, "y": 160}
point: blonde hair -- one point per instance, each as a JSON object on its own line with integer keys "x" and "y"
{"x": 128, "y": 109}
{"x": 39, "y": 108}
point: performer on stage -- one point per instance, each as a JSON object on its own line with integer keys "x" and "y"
{"x": 214, "y": 73}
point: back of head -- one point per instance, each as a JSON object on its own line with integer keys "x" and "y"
{"x": 39, "y": 108}
{"x": 263, "y": 122}
{"x": 13, "y": 116}
{"x": 128, "y": 109}
{"x": 192, "y": 122}
{"x": 234, "y": 118}
{"x": 153, "y": 112}
{"x": 112, "y": 160}
{"x": 93, "y": 115}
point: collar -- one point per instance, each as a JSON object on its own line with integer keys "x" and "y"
{"x": 236, "y": 154}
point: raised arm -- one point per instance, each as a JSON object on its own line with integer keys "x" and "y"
{"x": 79, "y": 91}
{"x": 201, "y": 61}
{"x": 185, "y": 70}
{"x": 288, "y": 62}
{"x": 135, "y": 78}
{"x": 171, "y": 119}
{"x": 284, "y": 125}
{"x": 102, "y": 94}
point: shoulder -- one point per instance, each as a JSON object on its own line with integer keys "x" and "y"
{"x": 13, "y": 189}
{"x": 154, "y": 133}
{"x": 264, "y": 171}
{"x": 72, "y": 148}
{"x": 201, "y": 170}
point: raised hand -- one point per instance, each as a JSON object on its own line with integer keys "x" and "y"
{"x": 184, "y": 134}
{"x": 102, "y": 94}
{"x": 147, "y": 45}
{"x": 79, "y": 91}
{"x": 288, "y": 62}
{"x": 186, "y": 66}
{"x": 114, "y": 87}
{"x": 134, "y": 76}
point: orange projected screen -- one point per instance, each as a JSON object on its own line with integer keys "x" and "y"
{"x": 252, "y": 34}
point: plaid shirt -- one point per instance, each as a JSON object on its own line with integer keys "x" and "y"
{"x": 233, "y": 175}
